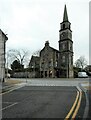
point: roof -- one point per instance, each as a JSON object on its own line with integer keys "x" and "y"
{"x": 51, "y": 48}
{"x": 6, "y": 38}
{"x": 35, "y": 58}
{"x": 54, "y": 49}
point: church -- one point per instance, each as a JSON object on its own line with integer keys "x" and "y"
{"x": 52, "y": 63}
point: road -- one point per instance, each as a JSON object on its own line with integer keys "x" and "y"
{"x": 38, "y": 102}
{"x": 43, "y": 99}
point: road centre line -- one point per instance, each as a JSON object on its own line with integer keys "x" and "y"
{"x": 78, "y": 106}
{"x": 70, "y": 112}
{"x": 9, "y": 106}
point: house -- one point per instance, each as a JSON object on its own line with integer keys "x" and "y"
{"x": 3, "y": 39}
{"x": 34, "y": 66}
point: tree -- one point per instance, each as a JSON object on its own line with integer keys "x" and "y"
{"x": 19, "y": 55}
{"x": 81, "y": 62}
{"x": 16, "y": 66}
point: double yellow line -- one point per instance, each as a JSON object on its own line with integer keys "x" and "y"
{"x": 73, "y": 112}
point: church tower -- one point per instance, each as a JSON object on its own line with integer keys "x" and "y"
{"x": 65, "y": 47}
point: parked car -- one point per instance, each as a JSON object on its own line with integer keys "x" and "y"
{"x": 82, "y": 75}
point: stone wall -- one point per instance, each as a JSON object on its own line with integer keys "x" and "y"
{"x": 3, "y": 39}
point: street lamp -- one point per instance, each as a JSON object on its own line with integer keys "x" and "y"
{"x": 7, "y": 66}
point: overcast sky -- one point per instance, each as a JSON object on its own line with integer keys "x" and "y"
{"x": 29, "y": 23}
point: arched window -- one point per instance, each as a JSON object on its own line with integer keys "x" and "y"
{"x": 63, "y": 26}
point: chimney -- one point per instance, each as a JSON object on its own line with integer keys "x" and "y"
{"x": 47, "y": 43}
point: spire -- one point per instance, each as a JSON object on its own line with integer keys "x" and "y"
{"x": 65, "y": 17}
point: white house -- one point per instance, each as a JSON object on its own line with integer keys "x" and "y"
{"x": 3, "y": 39}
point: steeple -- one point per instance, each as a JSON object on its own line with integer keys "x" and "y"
{"x": 65, "y": 47}
{"x": 65, "y": 17}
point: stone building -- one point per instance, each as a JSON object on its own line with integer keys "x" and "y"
{"x": 34, "y": 66}
{"x": 58, "y": 63}
{"x": 3, "y": 39}
{"x": 48, "y": 61}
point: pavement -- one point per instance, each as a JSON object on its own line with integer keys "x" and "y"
{"x": 86, "y": 85}
{"x": 10, "y": 84}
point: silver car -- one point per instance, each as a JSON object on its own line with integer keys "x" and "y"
{"x": 82, "y": 75}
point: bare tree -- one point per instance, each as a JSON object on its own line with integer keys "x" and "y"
{"x": 19, "y": 55}
{"x": 81, "y": 62}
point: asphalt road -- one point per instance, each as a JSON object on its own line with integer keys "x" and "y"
{"x": 38, "y": 102}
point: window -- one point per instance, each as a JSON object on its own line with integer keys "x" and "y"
{"x": 56, "y": 63}
{"x": 56, "y": 55}
{"x": 70, "y": 46}
{"x": 63, "y": 59}
{"x": 45, "y": 73}
{"x": 63, "y": 46}
{"x": 42, "y": 64}
{"x": 63, "y": 26}
{"x": 71, "y": 60}
{"x": 70, "y": 35}
{"x": 69, "y": 26}
{"x": 41, "y": 74}
{"x": 49, "y": 63}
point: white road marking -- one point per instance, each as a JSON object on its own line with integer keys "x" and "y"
{"x": 9, "y": 106}
{"x": 14, "y": 88}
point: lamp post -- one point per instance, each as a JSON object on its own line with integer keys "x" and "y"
{"x": 7, "y": 66}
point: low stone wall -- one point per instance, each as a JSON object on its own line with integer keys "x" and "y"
{"x": 26, "y": 75}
